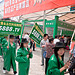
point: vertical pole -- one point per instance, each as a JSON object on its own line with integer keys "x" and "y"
{"x": 55, "y": 26}
{"x": 72, "y": 35}
{"x": 61, "y": 32}
{"x": 44, "y": 20}
{"x": 22, "y": 30}
{"x": 8, "y": 39}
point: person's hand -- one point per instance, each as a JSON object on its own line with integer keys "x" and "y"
{"x": 27, "y": 56}
{"x": 67, "y": 65}
{"x": 30, "y": 50}
{"x": 7, "y": 47}
{"x": 43, "y": 46}
{"x": 46, "y": 43}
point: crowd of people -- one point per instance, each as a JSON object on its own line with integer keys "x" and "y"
{"x": 53, "y": 50}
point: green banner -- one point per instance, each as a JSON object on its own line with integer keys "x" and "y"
{"x": 10, "y": 28}
{"x": 36, "y": 33}
{"x": 66, "y": 25}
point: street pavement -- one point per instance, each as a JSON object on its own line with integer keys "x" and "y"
{"x": 35, "y": 65}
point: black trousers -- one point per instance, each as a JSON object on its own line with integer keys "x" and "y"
{"x": 46, "y": 64}
{"x": 32, "y": 44}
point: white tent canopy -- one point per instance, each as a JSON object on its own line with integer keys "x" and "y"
{"x": 63, "y": 13}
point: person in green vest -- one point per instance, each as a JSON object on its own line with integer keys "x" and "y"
{"x": 9, "y": 50}
{"x": 23, "y": 58}
{"x": 4, "y": 53}
{"x": 55, "y": 64}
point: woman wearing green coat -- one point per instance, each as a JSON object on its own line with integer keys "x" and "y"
{"x": 55, "y": 64}
{"x": 23, "y": 58}
{"x": 9, "y": 51}
{"x": 4, "y": 53}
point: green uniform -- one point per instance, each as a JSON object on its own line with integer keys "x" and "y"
{"x": 1, "y": 39}
{"x": 23, "y": 61}
{"x": 4, "y": 41}
{"x": 9, "y": 56}
{"x": 0, "y": 47}
{"x": 4, "y": 53}
{"x": 53, "y": 66}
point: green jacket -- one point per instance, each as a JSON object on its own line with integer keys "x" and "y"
{"x": 0, "y": 47}
{"x": 53, "y": 66}
{"x": 9, "y": 56}
{"x": 23, "y": 61}
{"x": 1, "y": 39}
{"x": 4, "y": 41}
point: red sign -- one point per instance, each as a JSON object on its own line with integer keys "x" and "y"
{"x": 20, "y": 7}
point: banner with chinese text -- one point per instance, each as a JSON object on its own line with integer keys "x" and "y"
{"x": 10, "y": 28}
{"x": 20, "y": 7}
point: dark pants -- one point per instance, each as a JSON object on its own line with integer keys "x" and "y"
{"x": 32, "y": 44}
{"x": 46, "y": 64}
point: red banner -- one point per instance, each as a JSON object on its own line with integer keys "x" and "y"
{"x": 20, "y": 7}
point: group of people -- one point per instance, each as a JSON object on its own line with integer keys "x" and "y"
{"x": 8, "y": 52}
{"x": 53, "y": 51}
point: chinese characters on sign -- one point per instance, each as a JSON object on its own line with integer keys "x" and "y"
{"x": 37, "y": 1}
{"x": 12, "y": 5}
{"x": 13, "y": 28}
{"x": 21, "y": 7}
{"x": 36, "y": 34}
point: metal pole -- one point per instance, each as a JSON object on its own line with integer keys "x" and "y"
{"x": 8, "y": 39}
{"x": 73, "y": 35}
{"x": 22, "y": 31}
{"x": 44, "y": 20}
{"x": 53, "y": 14}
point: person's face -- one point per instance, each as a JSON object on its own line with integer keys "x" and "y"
{"x": 11, "y": 40}
{"x": 52, "y": 41}
{"x": 25, "y": 44}
{"x": 61, "y": 51}
{"x": 46, "y": 37}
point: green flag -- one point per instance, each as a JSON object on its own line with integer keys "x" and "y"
{"x": 36, "y": 33}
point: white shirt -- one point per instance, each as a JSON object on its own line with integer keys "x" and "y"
{"x": 43, "y": 42}
{"x": 26, "y": 36}
{"x": 56, "y": 40}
